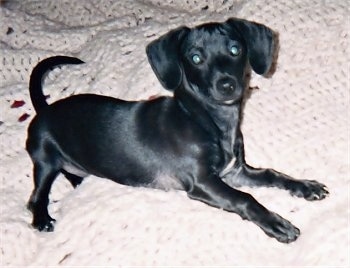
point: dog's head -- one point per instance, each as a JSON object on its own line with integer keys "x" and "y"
{"x": 212, "y": 59}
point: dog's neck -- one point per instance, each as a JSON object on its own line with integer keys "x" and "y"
{"x": 192, "y": 106}
{"x": 227, "y": 119}
{"x": 221, "y": 120}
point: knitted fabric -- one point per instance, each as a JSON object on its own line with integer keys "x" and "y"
{"x": 296, "y": 122}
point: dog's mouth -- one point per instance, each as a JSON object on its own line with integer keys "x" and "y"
{"x": 227, "y": 100}
{"x": 231, "y": 101}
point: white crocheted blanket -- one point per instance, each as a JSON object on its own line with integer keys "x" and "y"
{"x": 296, "y": 122}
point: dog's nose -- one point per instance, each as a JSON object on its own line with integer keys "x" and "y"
{"x": 226, "y": 86}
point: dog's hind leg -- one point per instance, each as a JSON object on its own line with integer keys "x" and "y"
{"x": 46, "y": 168}
{"x": 73, "y": 179}
{"x": 39, "y": 200}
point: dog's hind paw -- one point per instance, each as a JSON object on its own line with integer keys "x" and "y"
{"x": 44, "y": 225}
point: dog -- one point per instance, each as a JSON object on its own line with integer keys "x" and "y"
{"x": 190, "y": 141}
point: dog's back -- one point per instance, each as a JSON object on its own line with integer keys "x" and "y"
{"x": 128, "y": 142}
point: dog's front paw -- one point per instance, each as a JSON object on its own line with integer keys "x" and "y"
{"x": 44, "y": 224}
{"x": 310, "y": 190}
{"x": 277, "y": 227}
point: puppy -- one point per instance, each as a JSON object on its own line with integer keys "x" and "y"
{"x": 193, "y": 138}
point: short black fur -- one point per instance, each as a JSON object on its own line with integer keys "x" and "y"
{"x": 191, "y": 141}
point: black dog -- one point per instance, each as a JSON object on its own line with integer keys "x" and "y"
{"x": 190, "y": 142}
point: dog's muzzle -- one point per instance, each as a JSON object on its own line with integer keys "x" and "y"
{"x": 226, "y": 89}
{"x": 226, "y": 86}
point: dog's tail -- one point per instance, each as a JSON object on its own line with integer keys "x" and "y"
{"x": 35, "y": 84}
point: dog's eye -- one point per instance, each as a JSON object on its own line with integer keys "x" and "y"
{"x": 235, "y": 50}
{"x": 196, "y": 59}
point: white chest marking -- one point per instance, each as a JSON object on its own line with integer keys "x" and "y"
{"x": 228, "y": 167}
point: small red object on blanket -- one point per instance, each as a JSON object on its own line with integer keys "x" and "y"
{"x": 23, "y": 117}
{"x": 17, "y": 104}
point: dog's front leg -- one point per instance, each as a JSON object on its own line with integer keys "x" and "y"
{"x": 243, "y": 174}
{"x": 308, "y": 189}
{"x": 214, "y": 192}
{"x": 238, "y": 149}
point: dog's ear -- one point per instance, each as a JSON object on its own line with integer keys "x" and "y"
{"x": 163, "y": 55}
{"x": 262, "y": 44}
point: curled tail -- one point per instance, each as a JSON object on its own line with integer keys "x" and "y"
{"x": 36, "y": 78}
